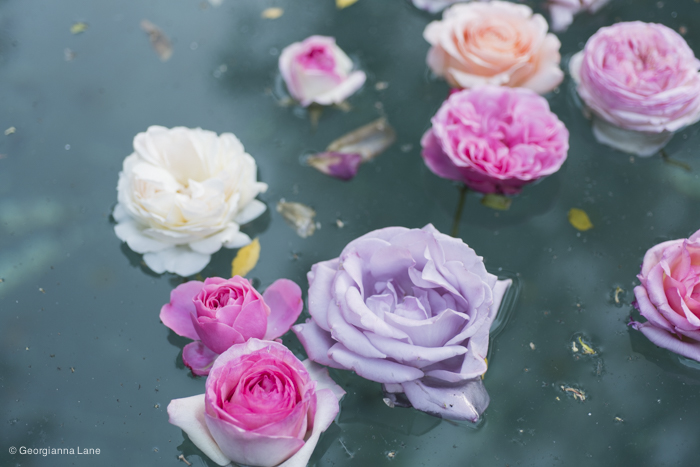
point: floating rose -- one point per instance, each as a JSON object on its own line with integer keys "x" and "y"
{"x": 261, "y": 407}
{"x": 409, "y": 308}
{"x": 641, "y": 83}
{"x": 669, "y": 297}
{"x": 317, "y": 71}
{"x": 563, "y": 11}
{"x": 495, "y": 139}
{"x": 183, "y": 194}
{"x": 497, "y": 43}
{"x": 219, "y": 313}
{"x": 434, "y": 6}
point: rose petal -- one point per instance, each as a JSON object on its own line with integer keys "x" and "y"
{"x": 131, "y": 233}
{"x": 177, "y": 315}
{"x": 374, "y": 369}
{"x": 669, "y": 341}
{"x": 323, "y": 379}
{"x": 188, "y": 415}
{"x": 251, "y": 211}
{"x": 178, "y": 260}
{"x": 463, "y": 402}
{"x": 316, "y": 342}
{"x": 284, "y": 299}
{"x": 198, "y": 358}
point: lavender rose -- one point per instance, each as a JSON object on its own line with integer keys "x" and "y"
{"x": 219, "y": 313}
{"x": 641, "y": 83}
{"x": 409, "y": 308}
{"x": 495, "y": 139}
{"x": 261, "y": 407}
{"x": 669, "y": 297}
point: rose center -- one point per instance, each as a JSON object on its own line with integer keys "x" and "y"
{"x": 317, "y": 58}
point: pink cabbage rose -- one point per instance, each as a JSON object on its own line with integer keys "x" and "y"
{"x": 261, "y": 407}
{"x": 669, "y": 297}
{"x": 497, "y": 43}
{"x": 411, "y": 309}
{"x": 219, "y": 313}
{"x": 641, "y": 83}
{"x": 495, "y": 139}
{"x": 317, "y": 71}
{"x": 563, "y": 11}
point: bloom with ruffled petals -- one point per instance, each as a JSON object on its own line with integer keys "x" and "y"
{"x": 641, "y": 83}
{"x": 497, "y": 43}
{"x": 669, "y": 297}
{"x": 409, "y": 308}
{"x": 495, "y": 139}
{"x": 261, "y": 407}
{"x": 317, "y": 71}
{"x": 183, "y": 194}
{"x": 219, "y": 313}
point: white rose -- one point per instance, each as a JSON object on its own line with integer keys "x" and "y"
{"x": 183, "y": 194}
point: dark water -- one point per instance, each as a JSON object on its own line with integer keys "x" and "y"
{"x": 85, "y": 361}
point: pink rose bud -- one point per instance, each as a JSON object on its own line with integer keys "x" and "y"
{"x": 669, "y": 297}
{"x": 495, "y": 139}
{"x": 497, "y": 43}
{"x": 317, "y": 71}
{"x": 641, "y": 83}
{"x": 261, "y": 407}
{"x": 219, "y": 313}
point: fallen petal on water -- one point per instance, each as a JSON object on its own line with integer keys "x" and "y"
{"x": 498, "y": 202}
{"x": 340, "y": 4}
{"x": 272, "y": 13}
{"x": 78, "y": 28}
{"x": 368, "y": 141}
{"x": 246, "y": 259}
{"x": 579, "y": 219}
{"x": 299, "y": 216}
{"x": 159, "y": 41}
{"x": 336, "y": 164}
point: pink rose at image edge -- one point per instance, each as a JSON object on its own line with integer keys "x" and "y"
{"x": 219, "y": 313}
{"x": 317, "y": 71}
{"x": 641, "y": 83}
{"x": 562, "y": 11}
{"x": 240, "y": 419}
{"x": 524, "y": 142}
{"x": 669, "y": 296}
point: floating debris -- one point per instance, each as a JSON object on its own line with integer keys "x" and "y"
{"x": 576, "y": 393}
{"x": 381, "y": 85}
{"x": 159, "y": 41}
{"x": 369, "y": 140}
{"x": 573, "y": 347}
{"x": 78, "y": 28}
{"x": 68, "y": 55}
{"x": 246, "y": 259}
{"x": 587, "y": 349}
{"x": 618, "y": 290}
{"x": 494, "y": 201}
{"x": 343, "y": 156}
{"x": 340, "y": 4}
{"x": 579, "y": 219}
{"x": 391, "y": 454}
{"x": 182, "y": 458}
{"x": 336, "y": 164}
{"x": 339, "y": 223}
{"x": 10, "y": 131}
{"x": 532, "y": 346}
{"x": 618, "y": 419}
{"x": 389, "y": 402}
{"x": 298, "y": 216}
{"x": 272, "y": 13}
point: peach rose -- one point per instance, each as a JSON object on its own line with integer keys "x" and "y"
{"x": 498, "y": 43}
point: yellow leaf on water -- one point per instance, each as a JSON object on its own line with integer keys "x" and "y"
{"x": 587, "y": 349}
{"x": 246, "y": 259}
{"x": 272, "y": 13}
{"x": 77, "y": 28}
{"x": 579, "y": 219}
{"x": 344, "y": 3}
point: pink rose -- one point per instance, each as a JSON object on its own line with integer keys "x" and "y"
{"x": 261, "y": 407}
{"x": 641, "y": 83}
{"x": 317, "y": 71}
{"x": 495, "y": 139}
{"x": 497, "y": 43}
{"x": 669, "y": 297}
{"x": 563, "y": 11}
{"x": 433, "y": 6}
{"x": 219, "y": 313}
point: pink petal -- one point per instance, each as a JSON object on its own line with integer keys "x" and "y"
{"x": 669, "y": 341}
{"x": 198, "y": 358}
{"x": 177, "y": 314}
{"x": 284, "y": 299}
